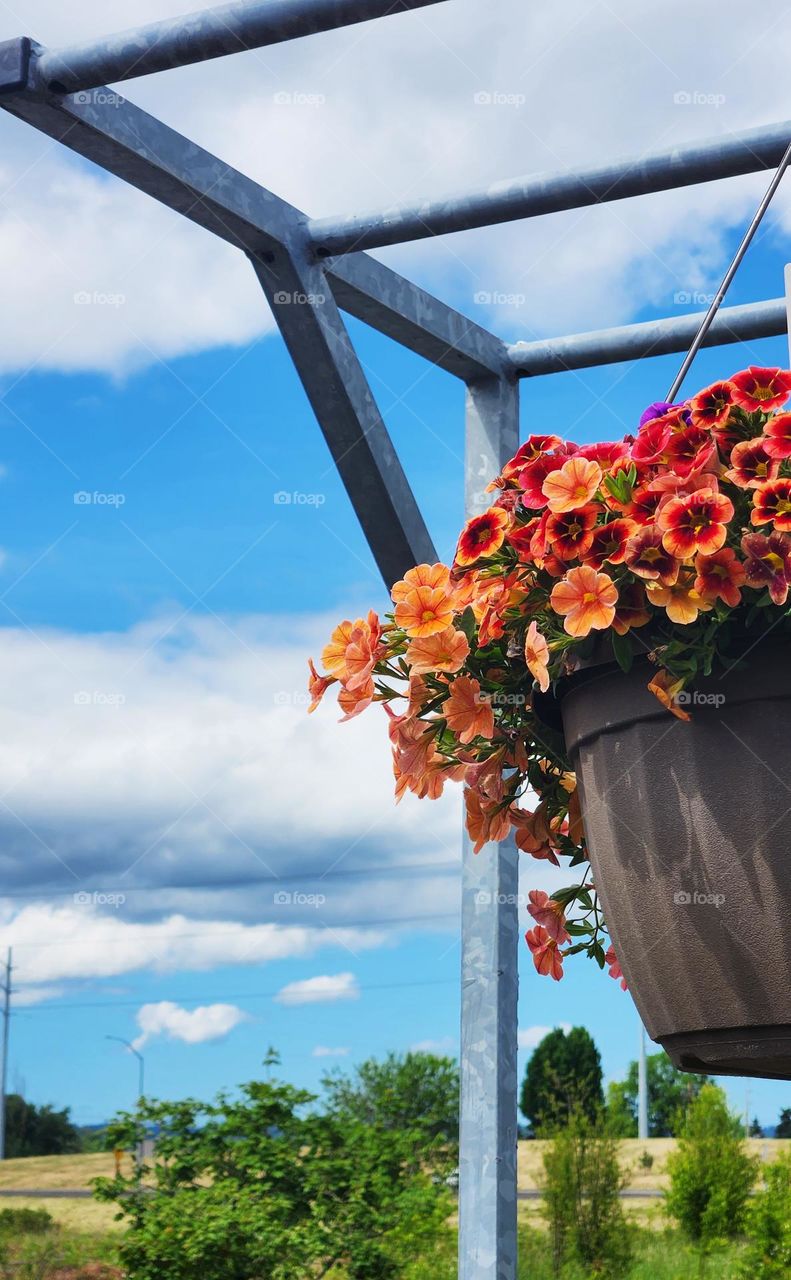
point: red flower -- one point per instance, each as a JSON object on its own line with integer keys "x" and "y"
{"x": 615, "y": 968}
{"x": 609, "y": 542}
{"x": 712, "y": 406}
{"x": 777, "y": 436}
{"x": 546, "y": 956}
{"x": 768, "y": 563}
{"x": 764, "y": 389}
{"x": 605, "y": 453}
{"x": 631, "y": 611}
{"x": 528, "y": 452}
{"x": 643, "y": 506}
{"x": 521, "y": 536}
{"x": 689, "y": 450}
{"x": 648, "y": 558}
{"x": 531, "y": 479}
{"x": 772, "y": 502}
{"x": 696, "y": 522}
{"x": 652, "y": 441}
{"x": 482, "y": 536}
{"x": 720, "y": 576}
{"x": 571, "y": 533}
{"x": 752, "y": 463}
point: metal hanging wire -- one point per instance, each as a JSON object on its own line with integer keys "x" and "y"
{"x": 705, "y": 324}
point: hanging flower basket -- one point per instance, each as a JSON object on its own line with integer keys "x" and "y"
{"x": 605, "y": 666}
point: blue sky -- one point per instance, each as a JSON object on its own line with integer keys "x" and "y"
{"x": 155, "y": 636}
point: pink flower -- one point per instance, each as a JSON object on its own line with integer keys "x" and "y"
{"x": 548, "y": 913}
{"x": 615, "y": 968}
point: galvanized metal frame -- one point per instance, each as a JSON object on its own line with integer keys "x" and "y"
{"x": 322, "y": 261}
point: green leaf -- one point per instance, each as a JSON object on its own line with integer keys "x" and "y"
{"x": 467, "y": 624}
{"x": 622, "y": 648}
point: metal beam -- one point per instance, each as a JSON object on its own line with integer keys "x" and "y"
{"x": 489, "y": 949}
{"x": 197, "y": 37}
{"x": 537, "y": 194}
{"x": 328, "y": 367}
{"x": 652, "y": 338}
{"x": 127, "y": 142}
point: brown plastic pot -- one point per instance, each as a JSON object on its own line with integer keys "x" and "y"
{"x": 688, "y": 826}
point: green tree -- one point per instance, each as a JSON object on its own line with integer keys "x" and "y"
{"x": 768, "y": 1226}
{"x": 783, "y": 1129}
{"x": 38, "y": 1131}
{"x": 581, "y": 1199}
{"x": 756, "y": 1128}
{"x": 417, "y": 1091}
{"x": 670, "y": 1092}
{"x": 260, "y": 1185}
{"x": 563, "y": 1075}
{"x": 711, "y": 1174}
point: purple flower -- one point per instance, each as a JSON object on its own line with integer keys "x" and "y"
{"x": 656, "y": 410}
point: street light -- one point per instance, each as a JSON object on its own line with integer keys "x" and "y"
{"x": 140, "y": 1082}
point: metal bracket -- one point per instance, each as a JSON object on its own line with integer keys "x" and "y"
{"x": 14, "y": 64}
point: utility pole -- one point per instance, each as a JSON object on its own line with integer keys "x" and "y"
{"x": 140, "y": 1082}
{"x": 6, "y": 989}
{"x": 642, "y": 1090}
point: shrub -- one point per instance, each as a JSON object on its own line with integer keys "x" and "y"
{"x": 31, "y": 1222}
{"x": 646, "y": 1160}
{"x": 711, "y": 1174}
{"x": 581, "y": 1200}
{"x": 768, "y": 1254}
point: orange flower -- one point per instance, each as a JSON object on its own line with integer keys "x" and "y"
{"x": 317, "y": 686}
{"x": 696, "y": 522}
{"x": 333, "y": 655}
{"x": 609, "y": 543}
{"x": 614, "y": 967}
{"x": 353, "y": 701}
{"x": 752, "y": 464}
{"x": 646, "y": 556}
{"x": 772, "y": 502}
{"x": 682, "y": 601}
{"x": 764, "y": 389}
{"x": 768, "y": 563}
{"x": 712, "y": 406}
{"x": 570, "y": 534}
{"x": 467, "y": 711}
{"x": 363, "y": 652}
{"x": 585, "y": 599}
{"x": 546, "y": 956}
{"x": 572, "y": 485}
{"x": 533, "y": 833}
{"x": 443, "y": 651}
{"x": 484, "y": 821}
{"x": 720, "y": 576}
{"x": 665, "y": 687}
{"x": 482, "y": 536}
{"x": 424, "y": 611}
{"x": 777, "y": 436}
{"x": 436, "y": 576}
{"x": 548, "y": 913}
{"x": 537, "y": 656}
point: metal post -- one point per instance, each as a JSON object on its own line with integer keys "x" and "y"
{"x": 4, "y": 1062}
{"x": 140, "y": 1084}
{"x": 787, "y": 280}
{"x": 642, "y": 1090}
{"x": 489, "y": 949}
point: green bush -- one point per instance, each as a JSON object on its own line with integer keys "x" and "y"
{"x": 581, "y": 1200}
{"x": 711, "y": 1174}
{"x": 31, "y": 1222}
{"x": 768, "y": 1252}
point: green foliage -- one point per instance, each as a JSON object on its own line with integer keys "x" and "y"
{"x": 711, "y": 1174}
{"x": 581, "y": 1200}
{"x": 260, "y": 1186}
{"x": 768, "y": 1253}
{"x": 29, "y": 1221}
{"x": 783, "y": 1129}
{"x": 418, "y": 1091}
{"x": 756, "y": 1129}
{"x": 669, "y": 1094}
{"x": 93, "y": 1138}
{"x": 563, "y": 1075}
{"x": 646, "y": 1160}
{"x": 38, "y": 1131}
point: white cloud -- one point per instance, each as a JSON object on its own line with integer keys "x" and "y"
{"x": 324, "y": 989}
{"x": 192, "y": 1026}
{"x": 323, "y": 1051}
{"x": 359, "y": 147}
{"x": 531, "y": 1037}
